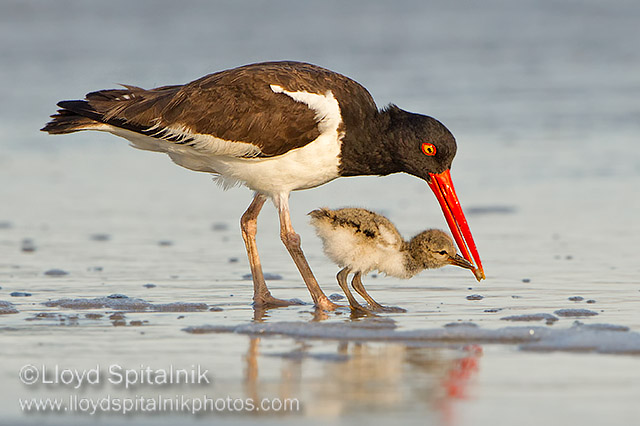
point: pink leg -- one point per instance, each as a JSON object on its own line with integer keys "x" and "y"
{"x": 291, "y": 241}
{"x": 356, "y": 282}
{"x": 249, "y": 224}
{"x": 355, "y": 306}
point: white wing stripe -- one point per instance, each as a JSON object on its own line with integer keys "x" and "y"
{"x": 325, "y": 106}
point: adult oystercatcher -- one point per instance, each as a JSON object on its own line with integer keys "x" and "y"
{"x": 361, "y": 241}
{"x": 277, "y": 127}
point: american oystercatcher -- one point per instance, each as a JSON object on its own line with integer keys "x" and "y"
{"x": 361, "y": 241}
{"x": 277, "y": 127}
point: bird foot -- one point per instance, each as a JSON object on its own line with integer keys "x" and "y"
{"x": 326, "y": 305}
{"x": 268, "y": 301}
{"x": 360, "y": 311}
{"x": 387, "y": 309}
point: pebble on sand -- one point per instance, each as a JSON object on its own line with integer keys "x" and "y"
{"x": 219, "y": 226}
{"x": 267, "y": 276}
{"x": 570, "y": 313}
{"x": 602, "y": 327}
{"x": 118, "y": 319}
{"x": 7, "y": 308}
{"x": 93, "y": 316}
{"x": 548, "y": 318}
{"x": 20, "y": 294}
{"x": 56, "y": 273}
{"x": 462, "y": 324}
{"x": 117, "y": 296}
{"x": 475, "y": 297}
{"x": 125, "y": 303}
{"x": 28, "y": 246}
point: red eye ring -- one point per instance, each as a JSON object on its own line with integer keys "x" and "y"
{"x": 428, "y": 149}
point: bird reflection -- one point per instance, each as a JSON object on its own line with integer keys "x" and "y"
{"x": 339, "y": 378}
{"x": 260, "y": 313}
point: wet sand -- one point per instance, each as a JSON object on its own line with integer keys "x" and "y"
{"x": 556, "y": 325}
{"x": 111, "y": 256}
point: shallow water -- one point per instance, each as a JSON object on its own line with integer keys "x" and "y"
{"x": 111, "y": 256}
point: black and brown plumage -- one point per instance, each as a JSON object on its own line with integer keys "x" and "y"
{"x": 361, "y": 241}
{"x": 277, "y": 127}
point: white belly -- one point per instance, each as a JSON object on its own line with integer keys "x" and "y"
{"x": 302, "y": 168}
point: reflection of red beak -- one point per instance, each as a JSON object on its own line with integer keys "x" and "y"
{"x": 442, "y": 186}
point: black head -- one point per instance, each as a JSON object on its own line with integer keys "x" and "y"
{"x": 424, "y": 147}
{"x": 421, "y": 144}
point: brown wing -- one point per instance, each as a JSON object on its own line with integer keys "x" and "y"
{"x": 234, "y": 105}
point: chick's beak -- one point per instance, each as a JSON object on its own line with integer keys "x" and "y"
{"x": 460, "y": 261}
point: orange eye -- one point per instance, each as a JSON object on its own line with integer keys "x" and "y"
{"x": 428, "y": 149}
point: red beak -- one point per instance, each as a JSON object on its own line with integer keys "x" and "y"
{"x": 442, "y": 186}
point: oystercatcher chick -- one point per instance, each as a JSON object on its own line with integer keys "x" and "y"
{"x": 361, "y": 241}
{"x": 277, "y": 127}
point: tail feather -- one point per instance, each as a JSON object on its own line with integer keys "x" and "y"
{"x": 68, "y": 121}
{"x": 131, "y": 108}
{"x": 321, "y": 213}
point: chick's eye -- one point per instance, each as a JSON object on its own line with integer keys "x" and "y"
{"x": 428, "y": 149}
{"x": 442, "y": 252}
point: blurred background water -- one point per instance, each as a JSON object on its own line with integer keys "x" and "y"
{"x": 544, "y": 100}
